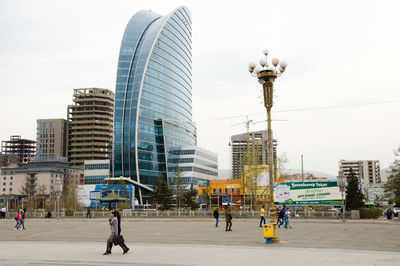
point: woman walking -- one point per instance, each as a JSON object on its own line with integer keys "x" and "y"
{"x": 118, "y": 216}
{"x": 18, "y": 218}
{"x": 114, "y": 233}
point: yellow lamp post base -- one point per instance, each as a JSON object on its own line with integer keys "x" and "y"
{"x": 270, "y": 234}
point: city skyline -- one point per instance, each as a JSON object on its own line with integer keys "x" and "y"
{"x": 332, "y": 50}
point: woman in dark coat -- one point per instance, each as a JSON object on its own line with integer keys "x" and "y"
{"x": 122, "y": 245}
{"x": 115, "y": 231}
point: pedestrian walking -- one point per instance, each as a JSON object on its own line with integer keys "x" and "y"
{"x": 262, "y": 215}
{"x": 88, "y": 214}
{"x": 278, "y": 214}
{"x": 216, "y": 216}
{"x": 282, "y": 215}
{"x": 122, "y": 244}
{"x": 341, "y": 212}
{"x": 3, "y": 212}
{"x": 113, "y": 220}
{"x": 18, "y": 218}
{"x": 23, "y": 218}
{"x": 288, "y": 215}
{"x": 228, "y": 218}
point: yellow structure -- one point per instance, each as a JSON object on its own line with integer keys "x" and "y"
{"x": 223, "y": 187}
{"x": 255, "y": 182}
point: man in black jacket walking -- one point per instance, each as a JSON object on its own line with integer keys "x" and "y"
{"x": 216, "y": 216}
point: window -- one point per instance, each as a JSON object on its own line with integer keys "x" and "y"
{"x": 220, "y": 191}
{"x": 238, "y": 191}
{"x": 226, "y": 191}
{"x": 214, "y": 191}
{"x": 11, "y": 178}
{"x": 52, "y": 124}
{"x": 10, "y": 189}
{"x": 4, "y": 178}
{"x": 10, "y": 183}
{"x": 4, "y": 183}
{"x": 232, "y": 191}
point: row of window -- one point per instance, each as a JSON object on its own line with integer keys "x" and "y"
{"x": 5, "y": 178}
{"x": 45, "y": 151}
{"x": 226, "y": 190}
{"x": 4, "y": 183}
{"x": 45, "y": 131}
{"x": 97, "y": 166}
{"x": 46, "y": 124}
{"x": 4, "y": 189}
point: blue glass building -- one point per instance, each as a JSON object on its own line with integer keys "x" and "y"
{"x": 153, "y": 100}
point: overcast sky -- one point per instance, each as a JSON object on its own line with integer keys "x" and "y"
{"x": 338, "y": 53}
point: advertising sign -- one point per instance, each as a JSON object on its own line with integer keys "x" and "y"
{"x": 307, "y": 193}
{"x": 88, "y": 195}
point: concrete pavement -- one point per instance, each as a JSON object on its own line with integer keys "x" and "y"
{"x": 84, "y": 253}
{"x": 198, "y": 242}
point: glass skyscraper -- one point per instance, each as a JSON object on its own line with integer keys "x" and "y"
{"x": 153, "y": 100}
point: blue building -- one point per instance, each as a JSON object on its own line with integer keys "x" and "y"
{"x": 153, "y": 102}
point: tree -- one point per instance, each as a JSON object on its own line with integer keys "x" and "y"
{"x": 162, "y": 194}
{"x": 179, "y": 188}
{"x": 354, "y": 196}
{"x": 190, "y": 198}
{"x": 392, "y": 186}
{"x": 282, "y": 160}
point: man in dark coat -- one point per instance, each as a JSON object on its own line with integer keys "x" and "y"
{"x": 216, "y": 216}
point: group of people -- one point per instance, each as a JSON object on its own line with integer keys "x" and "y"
{"x": 283, "y": 215}
{"x": 115, "y": 224}
{"x": 228, "y": 218}
{"x": 20, "y": 219}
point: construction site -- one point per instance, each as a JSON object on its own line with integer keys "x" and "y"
{"x": 24, "y": 149}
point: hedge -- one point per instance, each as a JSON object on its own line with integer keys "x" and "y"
{"x": 369, "y": 213}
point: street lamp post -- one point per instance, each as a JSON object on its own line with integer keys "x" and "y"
{"x": 342, "y": 186}
{"x": 266, "y": 75}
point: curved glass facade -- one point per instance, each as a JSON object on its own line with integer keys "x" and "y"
{"x": 153, "y": 100}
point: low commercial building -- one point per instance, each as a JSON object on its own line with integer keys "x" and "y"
{"x": 222, "y": 192}
{"x": 197, "y": 165}
{"x": 44, "y": 178}
{"x": 96, "y": 171}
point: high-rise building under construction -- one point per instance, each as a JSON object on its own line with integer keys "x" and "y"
{"x": 257, "y": 145}
{"x": 90, "y": 125}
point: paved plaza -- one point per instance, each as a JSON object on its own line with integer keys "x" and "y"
{"x": 194, "y": 241}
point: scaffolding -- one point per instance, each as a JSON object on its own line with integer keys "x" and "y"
{"x": 25, "y": 149}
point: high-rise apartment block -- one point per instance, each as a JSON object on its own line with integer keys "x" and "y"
{"x": 24, "y": 149}
{"x": 368, "y": 171}
{"x": 257, "y": 143}
{"x": 51, "y": 139}
{"x": 90, "y": 126}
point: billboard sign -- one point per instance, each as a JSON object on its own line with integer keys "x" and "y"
{"x": 307, "y": 193}
{"x": 88, "y": 195}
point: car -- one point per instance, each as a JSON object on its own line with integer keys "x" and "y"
{"x": 396, "y": 211}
